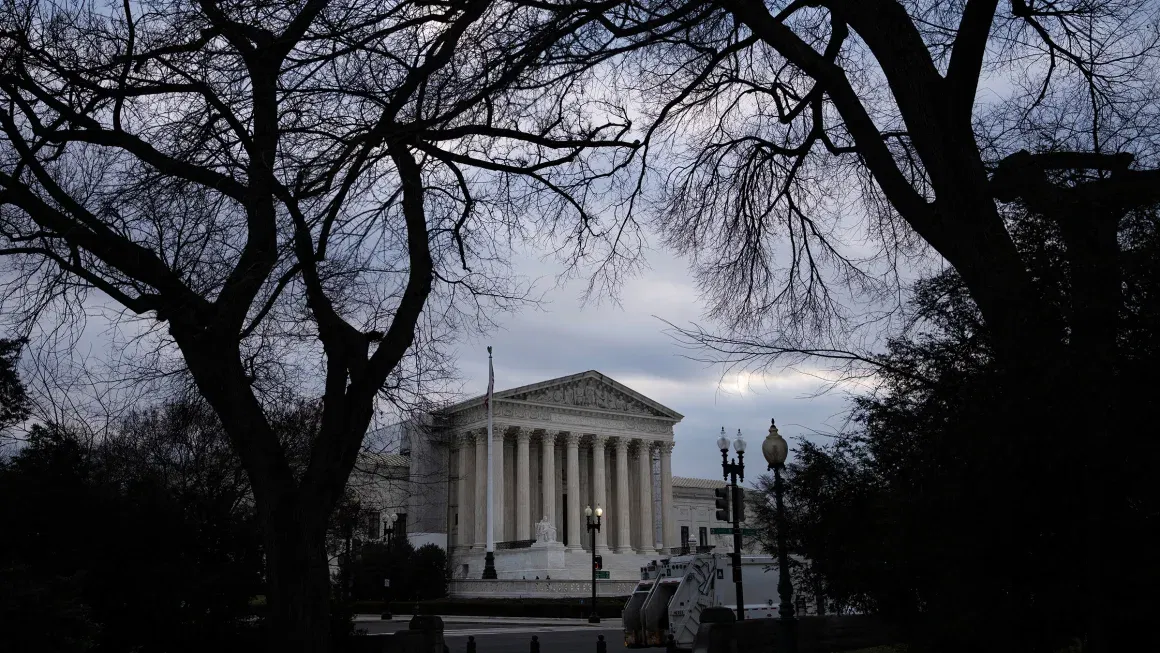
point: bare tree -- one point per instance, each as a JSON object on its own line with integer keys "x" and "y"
{"x": 283, "y": 188}
{"x": 799, "y": 131}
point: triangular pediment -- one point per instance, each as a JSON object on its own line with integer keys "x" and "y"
{"x": 588, "y": 390}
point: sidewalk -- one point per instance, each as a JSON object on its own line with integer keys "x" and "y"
{"x": 467, "y": 619}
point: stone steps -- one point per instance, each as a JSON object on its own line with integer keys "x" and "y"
{"x": 577, "y": 566}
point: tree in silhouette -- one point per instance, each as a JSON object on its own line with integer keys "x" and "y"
{"x": 929, "y": 512}
{"x": 812, "y": 150}
{"x": 282, "y": 188}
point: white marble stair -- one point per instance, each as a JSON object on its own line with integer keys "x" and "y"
{"x": 620, "y": 566}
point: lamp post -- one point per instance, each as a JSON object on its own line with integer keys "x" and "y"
{"x": 775, "y": 449}
{"x": 731, "y": 470}
{"x": 593, "y": 527}
{"x": 388, "y": 535}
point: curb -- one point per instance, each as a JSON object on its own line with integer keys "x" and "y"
{"x": 468, "y": 619}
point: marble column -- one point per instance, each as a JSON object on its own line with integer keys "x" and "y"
{"x": 481, "y": 490}
{"x": 497, "y": 505}
{"x": 647, "y": 542}
{"x": 599, "y": 494}
{"x": 465, "y": 533}
{"x": 548, "y": 471}
{"x": 523, "y": 485}
{"x": 623, "y": 530}
{"x": 573, "y": 509}
{"x": 668, "y": 520}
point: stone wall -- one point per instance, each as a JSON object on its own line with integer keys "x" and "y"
{"x": 464, "y": 588}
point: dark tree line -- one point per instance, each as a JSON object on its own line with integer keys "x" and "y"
{"x": 146, "y": 541}
{"x": 933, "y": 513}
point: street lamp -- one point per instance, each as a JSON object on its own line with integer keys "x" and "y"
{"x": 593, "y": 527}
{"x": 388, "y": 533}
{"x": 731, "y": 470}
{"x": 775, "y": 449}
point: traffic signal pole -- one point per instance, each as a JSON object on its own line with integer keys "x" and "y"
{"x": 729, "y": 500}
{"x": 737, "y": 501}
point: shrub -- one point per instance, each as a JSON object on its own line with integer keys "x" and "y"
{"x": 415, "y": 574}
{"x": 429, "y": 569}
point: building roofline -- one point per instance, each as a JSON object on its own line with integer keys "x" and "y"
{"x": 591, "y": 374}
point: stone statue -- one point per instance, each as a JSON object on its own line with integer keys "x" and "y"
{"x": 545, "y": 531}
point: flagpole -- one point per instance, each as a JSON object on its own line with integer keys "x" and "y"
{"x": 489, "y": 556}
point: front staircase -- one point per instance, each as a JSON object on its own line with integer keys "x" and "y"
{"x": 620, "y": 566}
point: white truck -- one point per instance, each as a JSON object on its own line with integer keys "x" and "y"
{"x": 672, "y": 592}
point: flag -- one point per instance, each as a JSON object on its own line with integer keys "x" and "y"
{"x": 490, "y": 381}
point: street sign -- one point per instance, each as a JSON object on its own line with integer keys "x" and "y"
{"x": 602, "y": 575}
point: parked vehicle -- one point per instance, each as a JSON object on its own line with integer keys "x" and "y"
{"x": 674, "y": 591}
{"x": 633, "y": 615}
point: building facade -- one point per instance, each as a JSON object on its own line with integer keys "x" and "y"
{"x": 694, "y": 505}
{"x": 559, "y": 446}
{"x": 568, "y": 443}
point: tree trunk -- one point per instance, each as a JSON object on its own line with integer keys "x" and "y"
{"x": 297, "y": 579}
{"x": 1090, "y": 233}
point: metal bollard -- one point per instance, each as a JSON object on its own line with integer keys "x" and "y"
{"x": 601, "y": 645}
{"x": 471, "y": 644}
{"x": 535, "y": 644}
{"x": 671, "y": 644}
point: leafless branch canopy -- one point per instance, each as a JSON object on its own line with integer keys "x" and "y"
{"x": 814, "y": 146}
{"x": 287, "y": 186}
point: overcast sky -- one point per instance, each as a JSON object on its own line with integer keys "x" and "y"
{"x": 628, "y": 343}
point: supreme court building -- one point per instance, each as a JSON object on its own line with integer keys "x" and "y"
{"x": 566, "y": 444}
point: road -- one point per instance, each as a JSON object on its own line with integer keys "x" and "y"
{"x": 555, "y": 637}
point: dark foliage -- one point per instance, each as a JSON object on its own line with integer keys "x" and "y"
{"x": 929, "y": 512}
{"x": 108, "y": 538}
{"x": 415, "y": 574}
{"x": 13, "y": 400}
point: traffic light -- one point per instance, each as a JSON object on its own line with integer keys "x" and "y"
{"x": 598, "y": 563}
{"x": 723, "y": 500}
{"x": 740, "y": 507}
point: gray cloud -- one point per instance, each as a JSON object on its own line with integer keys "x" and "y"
{"x": 628, "y": 343}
